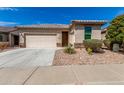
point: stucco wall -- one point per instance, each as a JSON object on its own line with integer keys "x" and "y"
{"x": 21, "y": 37}
{"x": 71, "y": 38}
{"x": 79, "y": 33}
{"x": 96, "y": 32}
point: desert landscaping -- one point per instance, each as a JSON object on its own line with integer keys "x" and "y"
{"x": 81, "y": 57}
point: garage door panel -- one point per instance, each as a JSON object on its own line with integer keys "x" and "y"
{"x": 40, "y": 41}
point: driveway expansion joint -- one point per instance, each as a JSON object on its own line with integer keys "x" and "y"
{"x": 30, "y": 75}
{"x": 76, "y": 76}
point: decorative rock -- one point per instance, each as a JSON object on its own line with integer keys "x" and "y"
{"x": 108, "y": 57}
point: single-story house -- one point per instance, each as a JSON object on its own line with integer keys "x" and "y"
{"x": 56, "y": 35}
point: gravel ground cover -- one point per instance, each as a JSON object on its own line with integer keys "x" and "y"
{"x": 83, "y": 58}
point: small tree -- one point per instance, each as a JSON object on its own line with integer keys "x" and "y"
{"x": 115, "y": 32}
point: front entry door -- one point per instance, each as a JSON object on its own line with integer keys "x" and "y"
{"x": 16, "y": 40}
{"x": 64, "y": 39}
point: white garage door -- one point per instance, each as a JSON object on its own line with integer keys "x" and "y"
{"x": 41, "y": 41}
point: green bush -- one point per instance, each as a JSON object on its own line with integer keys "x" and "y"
{"x": 107, "y": 43}
{"x": 94, "y": 44}
{"x": 69, "y": 49}
{"x": 90, "y": 51}
{"x": 115, "y": 31}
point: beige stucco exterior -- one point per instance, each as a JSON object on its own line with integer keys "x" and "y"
{"x": 103, "y": 36}
{"x": 79, "y": 33}
{"x": 96, "y": 32}
{"x": 71, "y": 38}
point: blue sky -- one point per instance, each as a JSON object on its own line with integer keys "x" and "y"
{"x": 62, "y": 15}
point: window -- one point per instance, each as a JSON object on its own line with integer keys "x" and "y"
{"x": 1, "y": 38}
{"x": 88, "y": 31}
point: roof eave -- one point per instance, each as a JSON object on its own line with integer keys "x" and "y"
{"x": 38, "y": 28}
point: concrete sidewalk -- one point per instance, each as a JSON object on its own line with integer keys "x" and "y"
{"x": 79, "y": 74}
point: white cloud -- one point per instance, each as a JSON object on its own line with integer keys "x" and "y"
{"x": 4, "y": 23}
{"x": 8, "y": 9}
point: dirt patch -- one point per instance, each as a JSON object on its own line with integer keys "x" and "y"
{"x": 83, "y": 58}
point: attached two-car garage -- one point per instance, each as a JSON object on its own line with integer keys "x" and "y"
{"x": 41, "y": 41}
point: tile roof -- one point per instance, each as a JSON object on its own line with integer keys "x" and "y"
{"x": 90, "y": 21}
{"x": 61, "y": 26}
{"x": 45, "y": 26}
{"x": 7, "y": 29}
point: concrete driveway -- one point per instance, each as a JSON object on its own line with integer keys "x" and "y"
{"x": 27, "y": 57}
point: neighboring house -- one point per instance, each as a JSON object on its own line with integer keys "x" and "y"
{"x": 56, "y": 35}
{"x": 4, "y": 33}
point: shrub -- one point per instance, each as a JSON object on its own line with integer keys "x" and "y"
{"x": 90, "y": 51}
{"x": 3, "y": 45}
{"x": 115, "y": 31}
{"x": 107, "y": 43}
{"x": 94, "y": 44}
{"x": 69, "y": 49}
